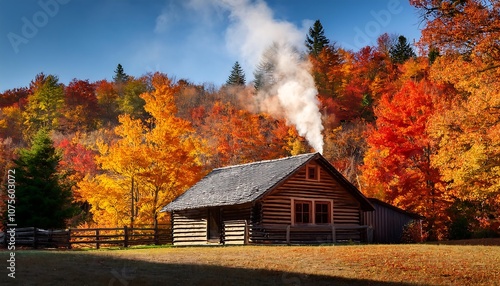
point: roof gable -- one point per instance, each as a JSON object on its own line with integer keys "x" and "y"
{"x": 246, "y": 183}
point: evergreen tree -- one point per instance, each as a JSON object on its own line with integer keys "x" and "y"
{"x": 401, "y": 51}
{"x": 264, "y": 76}
{"x": 237, "y": 76}
{"x": 43, "y": 195}
{"x": 316, "y": 40}
{"x": 120, "y": 75}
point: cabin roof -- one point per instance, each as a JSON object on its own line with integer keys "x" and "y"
{"x": 240, "y": 184}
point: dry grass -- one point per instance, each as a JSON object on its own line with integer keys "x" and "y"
{"x": 262, "y": 265}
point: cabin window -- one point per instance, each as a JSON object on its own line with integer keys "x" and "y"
{"x": 303, "y": 211}
{"x": 312, "y": 211}
{"x": 257, "y": 213}
{"x": 312, "y": 172}
{"x": 322, "y": 212}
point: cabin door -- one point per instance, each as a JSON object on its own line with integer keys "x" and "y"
{"x": 214, "y": 226}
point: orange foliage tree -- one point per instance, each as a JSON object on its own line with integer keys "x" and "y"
{"x": 398, "y": 165}
{"x": 238, "y": 136}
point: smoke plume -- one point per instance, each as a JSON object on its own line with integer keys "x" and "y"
{"x": 291, "y": 93}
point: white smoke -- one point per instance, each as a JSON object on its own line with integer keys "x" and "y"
{"x": 294, "y": 89}
{"x": 251, "y": 32}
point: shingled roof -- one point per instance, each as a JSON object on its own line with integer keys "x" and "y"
{"x": 246, "y": 183}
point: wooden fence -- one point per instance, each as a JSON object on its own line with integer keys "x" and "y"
{"x": 89, "y": 237}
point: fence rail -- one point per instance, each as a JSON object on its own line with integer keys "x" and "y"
{"x": 89, "y": 237}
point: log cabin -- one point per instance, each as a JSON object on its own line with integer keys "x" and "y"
{"x": 298, "y": 199}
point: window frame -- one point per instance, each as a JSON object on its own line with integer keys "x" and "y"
{"x": 316, "y": 172}
{"x": 312, "y": 212}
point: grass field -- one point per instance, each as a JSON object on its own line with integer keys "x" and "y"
{"x": 421, "y": 264}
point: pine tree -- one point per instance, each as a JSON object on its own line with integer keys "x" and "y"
{"x": 43, "y": 195}
{"x": 264, "y": 73}
{"x": 237, "y": 76}
{"x": 402, "y": 51}
{"x": 120, "y": 75}
{"x": 316, "y": 40}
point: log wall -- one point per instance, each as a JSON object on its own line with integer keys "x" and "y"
{"x": 235, "y": 220}
{"x": 189, "y": 227}
{"x": 277, "y": 206}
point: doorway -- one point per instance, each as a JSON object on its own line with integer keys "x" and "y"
{"x": 214, "y": 226}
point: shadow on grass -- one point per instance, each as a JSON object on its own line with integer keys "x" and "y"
{"x": 73, "y": 268}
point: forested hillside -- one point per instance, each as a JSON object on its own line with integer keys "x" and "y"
{"x": 415, "y": 125}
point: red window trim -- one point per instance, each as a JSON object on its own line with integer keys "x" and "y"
{"x": 312, "y": 210}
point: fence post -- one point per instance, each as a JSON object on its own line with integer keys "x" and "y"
{"x": 125, "y": 233}
{"x": 69, "y": 238}
{"x": 157, "y": 240}
{"x": 334, "y": 236}
{"x": 34, "y": 238}
{"x": 245, "y": 235}
{"x": 288, "y": 234}
{"x": 97, "y": 244}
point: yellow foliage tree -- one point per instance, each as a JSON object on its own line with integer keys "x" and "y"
{"x": 152, "y": 163}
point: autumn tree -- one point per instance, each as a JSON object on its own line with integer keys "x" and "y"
{"x": 130, "y": 101}
{"x": 467, "y": 27}
{"x": 43, "y": 194}
{"x": 345, "y": 147}
{"x": 173, "y": 149}
{"x": 76, "y": 159}
{"x": 327, "y": 71}
{"x": 11, "y": 123}
{"x": 386, "y": 42}
{"x": 465, "y": 33}
{"x": 367, "y": 78}
{"x": 234, "y": 135}
{"x": 13, "y": 97}
{"x": 316, "y": 39}
{"x": 44, "y": 104}
{"x": 152, "y": 163}
{"x": 107, "y": 100}
{"x": 237, "y": 76}
{"x": 80, "y": 110}
{"x": 398, "y": 165}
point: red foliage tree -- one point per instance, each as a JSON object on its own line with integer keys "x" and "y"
{"x": 398, "y": 162}
{"x": 80, "y": 107}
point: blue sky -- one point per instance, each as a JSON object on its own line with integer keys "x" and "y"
{"x": 189, "y": 39}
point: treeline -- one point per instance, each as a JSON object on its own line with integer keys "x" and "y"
{"x": 418, "y": 131}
